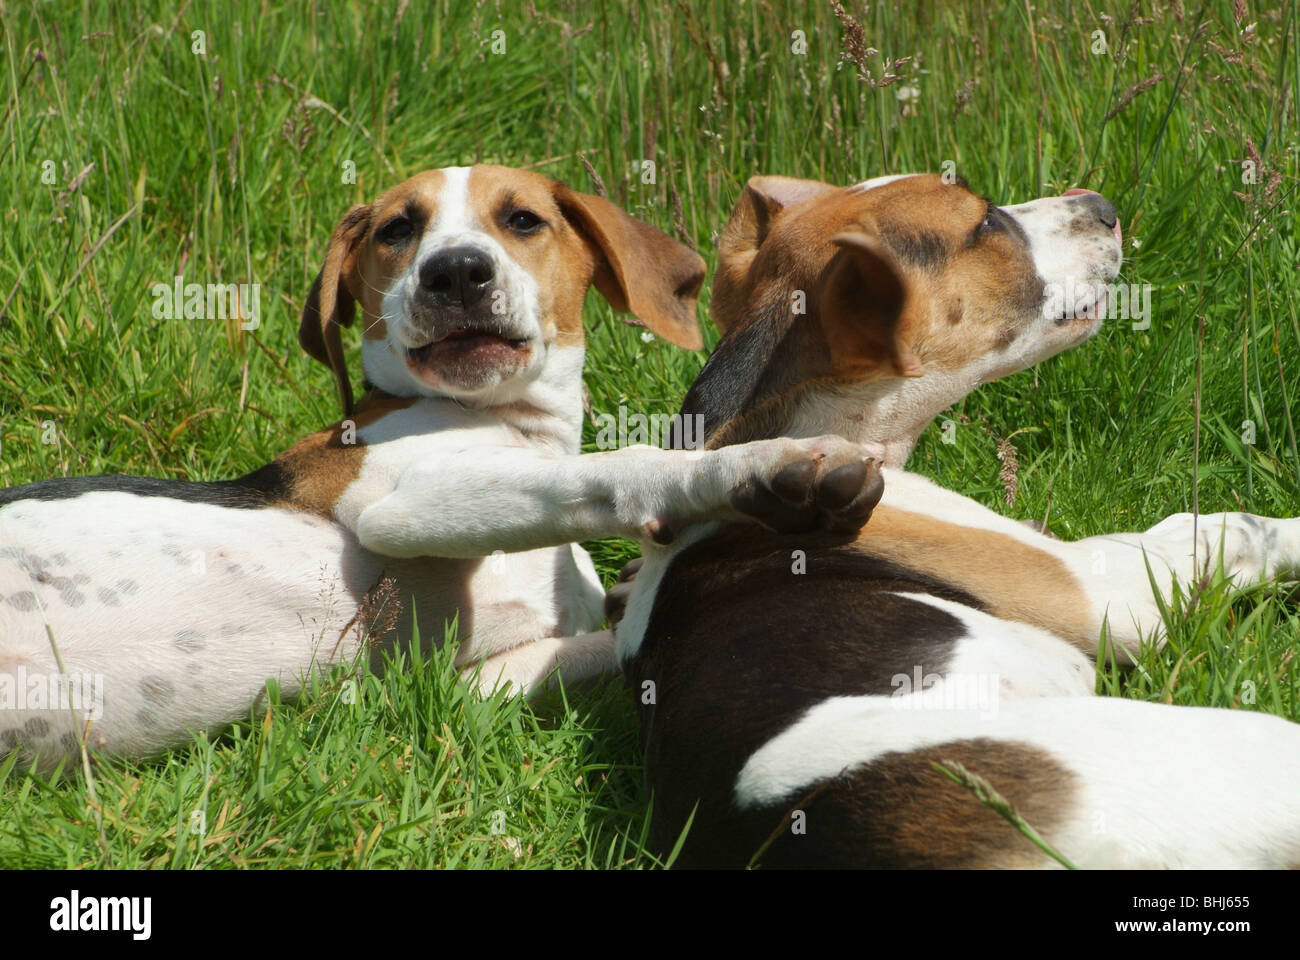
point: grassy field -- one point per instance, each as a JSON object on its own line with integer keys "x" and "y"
{"x": 129, "y": 158}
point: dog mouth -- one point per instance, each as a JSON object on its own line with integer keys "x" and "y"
{"x": 1089, "y": 313}
{"x": 466, "y": 353}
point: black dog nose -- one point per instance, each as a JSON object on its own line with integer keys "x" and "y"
{"x": 1101, "y": 208}
{"x": 457, "y": 276}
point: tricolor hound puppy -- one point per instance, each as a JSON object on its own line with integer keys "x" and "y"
{"x": 804, "y": 713}
{"x": 135, "y": 611}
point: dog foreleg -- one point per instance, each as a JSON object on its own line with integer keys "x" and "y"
{"x": 510, "y": 499}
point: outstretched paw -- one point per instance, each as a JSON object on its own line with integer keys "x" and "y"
{"x": 825, "y": 484}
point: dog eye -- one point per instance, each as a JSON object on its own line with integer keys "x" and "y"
{"x": 990, "y": 224}
{"x": 523, "y": 221}
{"x": 395, "y": 231}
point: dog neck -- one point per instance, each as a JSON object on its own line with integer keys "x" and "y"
{"x": 888, "y": 414}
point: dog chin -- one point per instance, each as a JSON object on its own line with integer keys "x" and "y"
{"x": 1066, "y": 335}
{"x": 1077, "y": 331}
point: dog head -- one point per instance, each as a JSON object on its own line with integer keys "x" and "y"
{"x": 472, "y": 279}
{"x": 866, "y": 310}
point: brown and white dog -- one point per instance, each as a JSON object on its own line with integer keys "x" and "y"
{"x": 136, "y": 611}
{"x": 801, "y": 689}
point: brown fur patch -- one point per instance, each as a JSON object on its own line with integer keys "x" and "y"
{"x": 1012, "y": 579}
{"x": 321, "y": 466}
{"x": 900, "y": 812}
{"x": 762, "y": 199}
{"x": 377, "y": 404}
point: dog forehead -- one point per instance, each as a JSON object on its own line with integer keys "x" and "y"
{"x": 465, "y": 194}
{"x": 910, "y": 203}
{"x": 916, "y": 201}
{"x": 882, "y": 181}
{"x": 898, "y": 210}
{"x": 423, "y": 192}
{"x": 489, "y": 186}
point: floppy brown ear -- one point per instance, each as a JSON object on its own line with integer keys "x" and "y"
{"x": 330, "y": 303}
{"x": 865, "y": 304}
{"x": 639, "y": 270}
{"x": 758, "y": 205}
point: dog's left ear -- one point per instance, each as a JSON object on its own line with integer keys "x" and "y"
{"x": 330, "y": 303}
{"x": 639, "y": 270}
{"x": 865, "y": 307}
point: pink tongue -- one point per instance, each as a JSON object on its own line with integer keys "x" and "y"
{"x": 1119, "y": 234}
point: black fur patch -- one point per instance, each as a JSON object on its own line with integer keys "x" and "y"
{"x": 749, "y": 382}
{"x": 261, "y": 488}
{"x": 923, "y": 249}
{"x": 726, "y": 385}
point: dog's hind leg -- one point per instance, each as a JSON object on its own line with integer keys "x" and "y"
{"x": 1118, "y": 570}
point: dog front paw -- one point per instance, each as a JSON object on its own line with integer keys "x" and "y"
{"x": 822, "y": 484}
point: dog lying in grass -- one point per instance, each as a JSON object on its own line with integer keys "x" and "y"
{"x": 850, "y": 699}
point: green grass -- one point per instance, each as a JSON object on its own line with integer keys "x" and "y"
{"x": 228, "y": 167}
{"x": 407, "y": 770}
